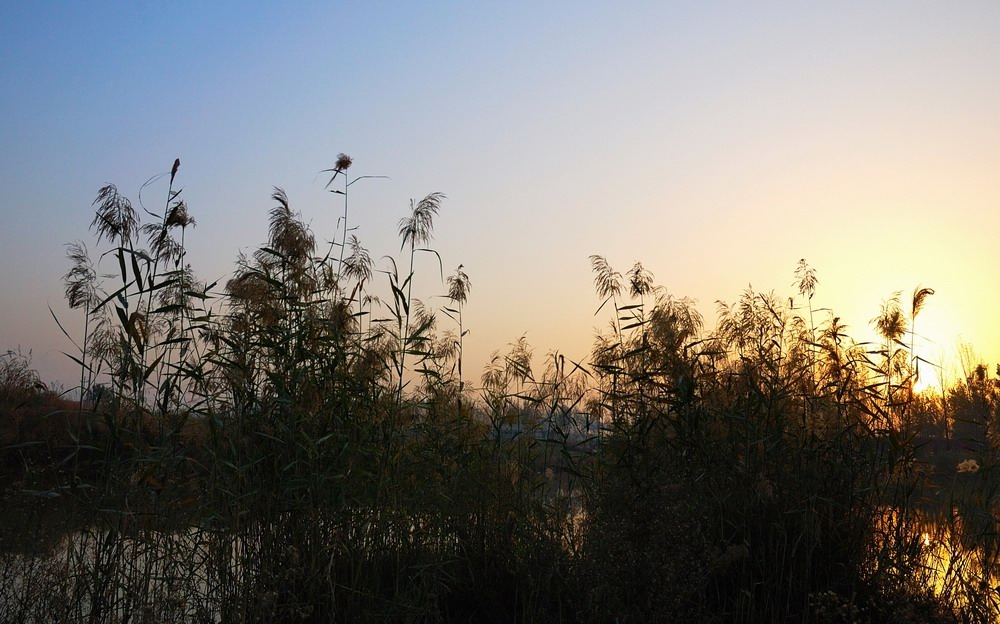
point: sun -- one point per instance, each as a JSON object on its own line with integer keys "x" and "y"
{"x": 933, "y": 341}
{"x": 926, "y": 383}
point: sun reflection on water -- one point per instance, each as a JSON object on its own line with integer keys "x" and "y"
{"x": 957, "y": 563}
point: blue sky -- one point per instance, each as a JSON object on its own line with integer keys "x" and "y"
{"x": 716, "y": 142}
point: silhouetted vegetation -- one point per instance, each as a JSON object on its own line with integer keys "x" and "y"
{"x": 299, "y": 444}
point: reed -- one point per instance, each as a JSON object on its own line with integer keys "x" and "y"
{"x": 302, "y": 444}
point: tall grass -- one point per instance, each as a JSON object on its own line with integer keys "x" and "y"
{"x": 301, "y": 443}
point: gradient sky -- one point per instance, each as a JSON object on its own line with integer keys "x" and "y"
{"x": 718, "y": 143}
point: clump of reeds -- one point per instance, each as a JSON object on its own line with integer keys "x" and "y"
{"x": 303, "y": 444}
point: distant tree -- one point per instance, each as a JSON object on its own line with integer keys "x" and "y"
{"x": 974, "y": 407}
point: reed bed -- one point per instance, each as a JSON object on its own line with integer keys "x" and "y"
{"x": 301, "y": 444}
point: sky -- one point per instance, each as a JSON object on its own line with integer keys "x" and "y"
{"x": 716, "y": 142}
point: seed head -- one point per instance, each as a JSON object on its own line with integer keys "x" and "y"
{"x": 343, "y": 162}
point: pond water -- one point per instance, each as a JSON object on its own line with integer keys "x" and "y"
{"x": 957, "y": 555}
{"x": 187, "y": 576}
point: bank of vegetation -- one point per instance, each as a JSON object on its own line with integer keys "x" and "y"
{"x": 301, "y": 444}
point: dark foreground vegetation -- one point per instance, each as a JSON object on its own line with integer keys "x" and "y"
{"x": 288, "y": 447}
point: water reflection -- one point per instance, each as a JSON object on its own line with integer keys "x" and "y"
{"x": 951, "y": 552}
